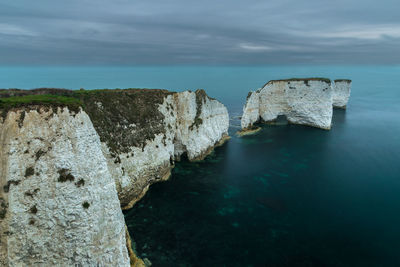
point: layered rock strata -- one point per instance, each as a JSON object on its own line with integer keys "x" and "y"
{"x": 70, "y": 159}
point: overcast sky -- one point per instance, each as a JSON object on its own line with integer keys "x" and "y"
{"x": 133, "y": 32}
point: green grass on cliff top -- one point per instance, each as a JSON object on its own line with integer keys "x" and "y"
{"x": 18, "y": 101}
{"x": 124, "y": 118}
{"x": 15, "y": 98}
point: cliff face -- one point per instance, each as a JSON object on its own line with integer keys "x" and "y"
{"x": 59, "y": 201}
{"x": 302, "y": 101}
{"x": 187, "y": 123}
{"x": 251, "y": 110}
{"x": 341, "y": 93}
{"x": 65, "y": 172}
{"x": 202, "y": 123}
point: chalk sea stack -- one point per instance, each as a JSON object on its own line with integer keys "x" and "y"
{"x": 341, "y": 93}
{"x": 69, "y": 160}
{"x": 306, "y": 101}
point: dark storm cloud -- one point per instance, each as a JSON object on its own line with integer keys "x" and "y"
{"x": 199, "y": 32}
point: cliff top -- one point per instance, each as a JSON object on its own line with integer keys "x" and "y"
{"x": 305, "y": 80}
{"x": 5, "y": 93}
{"x": 343, "y": 80}
{"x": 113, "y": 112}
{"x": 9, "y": 102}
{"x": 54, "y": 97}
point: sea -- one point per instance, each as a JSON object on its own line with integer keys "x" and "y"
{"x": 289, "y": 195}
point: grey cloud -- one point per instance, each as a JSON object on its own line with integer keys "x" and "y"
{"x": 199, "y": 32}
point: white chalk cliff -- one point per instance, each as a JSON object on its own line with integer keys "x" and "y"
{"x": 192, "y": 124}
{"x": 66, "y": 172}
{"x": 341, "y": 93}
{"x": 59, "y": 200}
{"x": 302, "y": 101}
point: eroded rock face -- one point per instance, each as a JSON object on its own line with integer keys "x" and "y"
{"x": 341, "y": 93}
{"x": 251, "y": 111}
{"x": 202, "y": 123}
{"x": 302, "y": 101}
{"x": 60, "y": 200}
{"x": 65, "y": 174}
{"x": 191, "y": 124}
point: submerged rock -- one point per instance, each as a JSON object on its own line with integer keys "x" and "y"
{"x": 70, "y": 160}
{"x": 305, "y": 101}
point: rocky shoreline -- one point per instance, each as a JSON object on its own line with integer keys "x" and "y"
{"x": 71, "y": 159}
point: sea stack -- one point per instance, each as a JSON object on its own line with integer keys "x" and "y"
{"x": 69, "y": 160}
{"x": 306, "y": 101}
{"x": 341, "y": 93}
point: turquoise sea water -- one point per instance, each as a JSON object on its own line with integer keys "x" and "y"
{"x": 287, "y": 196}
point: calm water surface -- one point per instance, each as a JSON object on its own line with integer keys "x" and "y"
{"x": 287, "y": 196}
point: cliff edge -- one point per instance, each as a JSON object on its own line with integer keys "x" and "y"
{"x": 60, "y": 204}
{"x": 70, "y": 160}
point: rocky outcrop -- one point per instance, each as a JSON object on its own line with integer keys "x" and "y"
{"x": 251, "y": 110}
{"x": 59, "y": 200}
{"x": 181, "y": 124}
{"x": 341, "y": 93}
{"x": 65, "y": 171}
{"x": 301, "y": 101}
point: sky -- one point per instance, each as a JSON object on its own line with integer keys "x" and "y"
{"x": 171, "y": 32}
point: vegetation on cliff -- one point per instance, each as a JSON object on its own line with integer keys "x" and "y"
{"x": 117, "y": 112}
{"x": 305, "y": 80}
{"x": 200, "y": 99}
{"x": 343, "y": 80}
{"x": 113, "y": 112}
{"x": 8, "y": 103}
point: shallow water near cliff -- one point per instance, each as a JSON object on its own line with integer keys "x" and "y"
{"x": 287, "y": 196}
